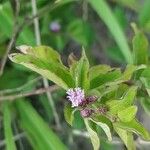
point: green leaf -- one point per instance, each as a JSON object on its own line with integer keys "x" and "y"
{"x": 69, "y": 113}
{"x": 44, "y": 53}
{"x": 104, "y": 11}
{"x": 126, "y": 101}
{"x": 127, "y": 74}
{"x": 55, "y": 72}
{"x": 134, "y": 126}
{"x": 140, "y": 48}
{"x": 95, "y": 71}
{"x": 35, "y": 127}
{"x": 93, "y": 135}
{"x": 126, "y": 136}
{"x": 102, "y": 79}
{"x": 127, "y": 114}
{"x": 10, "y": 143}
{"x": 104, "y": 123}
{"x": 80, "y": 72}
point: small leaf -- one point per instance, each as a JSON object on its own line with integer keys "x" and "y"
{"x": 69, "y": 113}
{"x": 126, "y": 136}
{"x": 93, "y": 135}
{"x": 127, "y": 114}
{"x": 10, "y": 143}
{"x": 105, "y": 124}
{"x": 134, "y": 126}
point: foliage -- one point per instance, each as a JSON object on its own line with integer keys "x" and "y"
{"x": 116, "y": 110}
{"x": 100, "y": 31}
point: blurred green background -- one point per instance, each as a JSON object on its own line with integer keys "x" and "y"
{"x": 102, "y": 27}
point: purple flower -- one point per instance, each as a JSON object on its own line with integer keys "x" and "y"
{"x": 76, "y": 96}
{"x": 86, "y": 112}
{"x": 55, "y": 26}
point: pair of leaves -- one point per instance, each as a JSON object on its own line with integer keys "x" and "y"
{"x": 101, "y": 121}
{"x": 93, "y": 135}
{"x": 45, "y": 61}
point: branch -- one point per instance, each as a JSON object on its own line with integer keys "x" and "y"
{"x": 45, "y": 81}
{"x": 19, "y": 89}
{"x": 35, "y": 92}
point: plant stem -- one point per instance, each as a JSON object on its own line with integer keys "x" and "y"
{"x": 45, "y": 81}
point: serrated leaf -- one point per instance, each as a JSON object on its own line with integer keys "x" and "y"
{"x": 104, "y": 123}
{"x": 69, "y": 113}
{"x": 35, "y": 127}
{"x": 134, "y": 126}
{"x": 93, "y": 135}
{"x": 127, "y": 114}
{"x": 126, "y": 136}
{"x": 53, "y": 71}
{"x": 10, "y": 143}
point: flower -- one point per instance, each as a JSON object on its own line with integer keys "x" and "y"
{"x": 55, "y": 26}
{"x": 76, "y": 96}
{"x": 86, "y": 112}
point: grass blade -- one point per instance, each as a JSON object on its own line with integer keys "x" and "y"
{"x": 103, "y": 10}
{"x": 10, "y": 144}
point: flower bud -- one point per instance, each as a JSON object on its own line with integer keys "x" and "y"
{"x": 91, "y": 99}
{"x": 86, "y": 112}
{"x": 103, "y": 109}
{"x": 55, "y": 26}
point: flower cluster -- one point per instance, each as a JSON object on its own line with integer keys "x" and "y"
{"x": 77, "y": 98}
